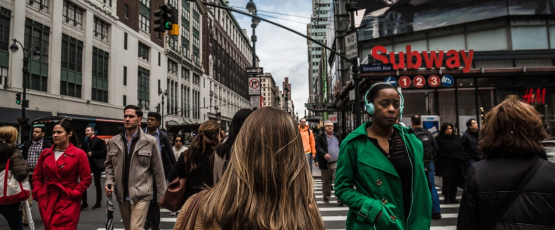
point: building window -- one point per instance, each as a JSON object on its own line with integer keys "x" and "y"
{"x": 39, "y": 4}
{"x": 107, "y": 2}
{"x": 143, "y": 51}
{"x": 172, "y": 3}
{"x": 144, "y": 23}
{"x": 100, "y": 29}
{"x": 172, "y": 42}
{"x": 101, "y": 59}
{"x": 185, "y": 73}
{"x": 124, "y": 100}
{"x": 125, "y": 75}
{"x": 73, "y": 14}
{"x": 125, "y": 41}
{"x": 187, "y": 101}
{"x": 172, "y": 67}
{"x": 143, "y": 93}
{"x": 5, "y": 16}
{"x": 126, "y": 11}
{"x": 37, "y": 34}
{"x": 71, "y": 71}
{"x": 196, "y": 79}
{"x": 144, "y": 15}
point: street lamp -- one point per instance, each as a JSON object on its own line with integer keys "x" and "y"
{"x": 165, "y": 94}
{"x": 36, "y": 56}
{"x": 251, "y": 7}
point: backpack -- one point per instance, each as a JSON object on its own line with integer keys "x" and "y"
{"x": 429, "y": 153}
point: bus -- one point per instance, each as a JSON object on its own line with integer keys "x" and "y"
{"x": 104, "y": 129}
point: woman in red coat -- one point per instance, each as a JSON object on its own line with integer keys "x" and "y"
{"x": 60, "y": 178}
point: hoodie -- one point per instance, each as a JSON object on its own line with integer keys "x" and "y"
{"x": 309, "y": 145}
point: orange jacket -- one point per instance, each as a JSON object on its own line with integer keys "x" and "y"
{"x": 308, "y": 140}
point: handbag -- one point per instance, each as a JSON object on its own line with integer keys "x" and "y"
{"x": 11, "y": 190}
{"x": 517, "y": 192}
{"x": 174, "y": 198}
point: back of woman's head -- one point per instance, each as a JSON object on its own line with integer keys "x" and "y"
{"x": 206, "y": 140}
{"x": 267, "y": 184}
{"x": 66, "y": 125}
{"x": 510, "y": 129}
{"x": 8, "y": 136}
{"x": 236, "y": 123}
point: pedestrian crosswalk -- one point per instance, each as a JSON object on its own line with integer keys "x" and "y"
{"x": 334, "y": 216}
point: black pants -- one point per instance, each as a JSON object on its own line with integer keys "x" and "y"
{"x": 96, "y": 176}
{"x": 449, "y": 189}
{"x": 153, "y": 215}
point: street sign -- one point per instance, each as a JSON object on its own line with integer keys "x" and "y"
{"x": 434, "y": 81}
{"x": 391, "y": 80}
{"x": 255, "y": 101}
{"x": 351, "y": 45}
{"x": 254, "y": 70}
{"x": 254, "y": 86}
{"x": 419, "y": 81}
{"x": 332, "y": 118}
{"x": 404, "y": 81}
{"x": 376, "y": 67}
{"x": 447, "y": 80}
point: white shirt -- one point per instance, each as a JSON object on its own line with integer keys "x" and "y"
{"x": 58, "y": 154}
{"x": 178, "y": 152}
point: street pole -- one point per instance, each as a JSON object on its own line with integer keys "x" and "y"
{"x": 14, "y": 48}
{"x": 352, "y": 6}
{"x": 253, "y": 38}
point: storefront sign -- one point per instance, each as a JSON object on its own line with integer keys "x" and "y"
{"x": 391, "y": 80}
{"x": 419, "y": 81}
{"x": 434, "y": 81}
{"x": 404, "y": 81}
{"x": 531, "y": 98}
{"x": 432, "y": 59}
{"x": 376, "y": 68}
{"x": 447, "y": 80}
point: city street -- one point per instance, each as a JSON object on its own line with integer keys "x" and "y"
{"x": 333, "y": 215}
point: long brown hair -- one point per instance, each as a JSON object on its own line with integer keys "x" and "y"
{"x": 268, "y": 184}
{"x": 206, "y": 140}
{"x": 512, "y": 128}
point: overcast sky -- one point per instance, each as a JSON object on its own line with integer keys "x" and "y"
{"x": 282, "y": 53}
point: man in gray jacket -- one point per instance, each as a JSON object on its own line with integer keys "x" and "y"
{"x": 132, "y": 163}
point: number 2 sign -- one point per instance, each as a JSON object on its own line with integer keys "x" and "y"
{"x": 419, "y": 81}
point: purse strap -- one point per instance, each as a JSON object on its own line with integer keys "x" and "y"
{"x": 192, "y": 211}
{"x": 6, "y": 172}
{"x": 517, "y": 192}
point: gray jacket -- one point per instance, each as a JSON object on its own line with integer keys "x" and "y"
{"x": 146, "y": 164}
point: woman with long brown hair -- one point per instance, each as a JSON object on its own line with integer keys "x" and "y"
{"x": 196, "y": 162}
{"x": 511, "y": 145}
{"x": 267, "y": 184}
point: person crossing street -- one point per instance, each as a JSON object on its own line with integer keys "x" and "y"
{"x": 327, "y": 149}
{"x": 308, "y": 142}
{"x": 95, "y": 148}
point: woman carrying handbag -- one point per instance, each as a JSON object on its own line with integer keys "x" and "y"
{"x": 514, "y": 186}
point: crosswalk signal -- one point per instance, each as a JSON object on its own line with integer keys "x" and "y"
{"x": 18, "y": 98}
{"x": 162, "y": 19}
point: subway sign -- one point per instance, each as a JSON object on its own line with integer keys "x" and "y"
{"x": 432, "y": 59}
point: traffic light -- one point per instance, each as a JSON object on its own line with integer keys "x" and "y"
{"x": 163, "y": 19}
{"x": 175, "y": 22}
{"x": 18, "y": 98}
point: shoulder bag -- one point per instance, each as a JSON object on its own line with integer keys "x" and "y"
{"x": 11, "y": 190}
{"x": 517, "y": 192}
{"x": 174, "y": 198}
{"x": 192, "y": 211}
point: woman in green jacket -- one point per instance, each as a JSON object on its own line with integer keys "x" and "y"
{"x": 380, "y": 170}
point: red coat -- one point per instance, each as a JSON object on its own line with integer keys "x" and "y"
{"x": 59, "y": 185}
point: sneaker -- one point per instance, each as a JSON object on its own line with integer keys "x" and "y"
{"x": 436, "y": 216}
{"x": 172, "y": 213}
{"x": 97, "y": 205}
{"x": 339, "y": 203}
{"x": 326, "y": 200}
{"x": 84, "y": 206}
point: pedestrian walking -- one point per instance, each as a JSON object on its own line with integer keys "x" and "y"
{"x": 385, "y": 162}
{"x": 309, "y": 145}
{"x": 470, "y": 140}
{"x": 31, "y": 152}
{"x": 267, "y": 184}
{"x": 451, "y": 162}
{"x": 196, "y": 163}
{"x": 95, "y": 148}
{"x": 18, "y": 167}
{"x": 168, "y": 161}
{"x": 513, "y": 187}
{"x": 61, "y": 176}
{"x": 327, "y": 152}
{"x": 132, "y": 164}
{"x": 430, "y": 149}
{"x": 178, "y": 147}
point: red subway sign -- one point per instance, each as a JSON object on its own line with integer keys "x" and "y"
{"x": 432, "y": 59}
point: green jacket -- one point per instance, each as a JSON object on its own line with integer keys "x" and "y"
{"x": 368, "y": 183}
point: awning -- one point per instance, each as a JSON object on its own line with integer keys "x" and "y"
{"x": 9, "y": 116}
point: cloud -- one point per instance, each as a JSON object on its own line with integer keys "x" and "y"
{"x": 282, "y": 53}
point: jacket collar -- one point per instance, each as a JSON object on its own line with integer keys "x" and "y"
{"x": 361, "y": 131}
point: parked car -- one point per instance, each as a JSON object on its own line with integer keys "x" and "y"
{"x": 549, "y": 146}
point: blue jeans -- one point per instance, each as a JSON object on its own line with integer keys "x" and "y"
{"x": 13, "y": 215}
{"x": 435, "y": 197}
{"x": 309, "y": 159}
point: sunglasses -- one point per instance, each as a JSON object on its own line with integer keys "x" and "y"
{"x": 178, "y": 141}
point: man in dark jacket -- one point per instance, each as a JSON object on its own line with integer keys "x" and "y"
{"x": 31, "y": 152}
{"x": 470, "y": 140}
{"x": 327, "y": 150}
{"x": 95, "y": 148}
{"x": 168, "y": 161}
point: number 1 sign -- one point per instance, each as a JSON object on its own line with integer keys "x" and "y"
{"x": 404, "y": 82}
